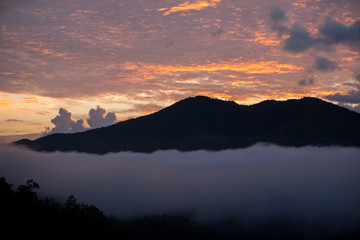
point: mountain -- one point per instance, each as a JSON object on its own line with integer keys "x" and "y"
{"x": 211, "y": 124}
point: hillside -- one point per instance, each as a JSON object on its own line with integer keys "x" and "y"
{"x": 211, "y": 124}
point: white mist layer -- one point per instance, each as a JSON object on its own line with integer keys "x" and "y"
{"x": 257, "y": 181}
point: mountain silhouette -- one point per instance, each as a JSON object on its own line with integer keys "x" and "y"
{"x": 211, "y": 124}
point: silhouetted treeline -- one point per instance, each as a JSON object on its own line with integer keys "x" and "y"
{"x": 23, "y": 213}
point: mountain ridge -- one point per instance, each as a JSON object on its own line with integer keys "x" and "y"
{"x": 201, "y": 122}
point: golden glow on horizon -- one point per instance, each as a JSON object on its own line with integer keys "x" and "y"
{"x": 35, "y": 112}
{"x": 199, "y": 5}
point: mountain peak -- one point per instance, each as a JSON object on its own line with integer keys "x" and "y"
{"x": 200, "y": 99}
{"x": 206, "y": 123}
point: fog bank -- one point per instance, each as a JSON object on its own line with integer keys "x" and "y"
{"x": 261, "y": 181}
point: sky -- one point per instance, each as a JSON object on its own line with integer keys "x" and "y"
{"x": 73, "y": 65}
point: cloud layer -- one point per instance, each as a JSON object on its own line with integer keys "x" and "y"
{"x": 119, "y": 54}
{"x": 315, "y": 185}
{"x": 92, "y": 48}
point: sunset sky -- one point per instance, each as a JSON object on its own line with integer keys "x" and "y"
{"x": 134, "y": 57}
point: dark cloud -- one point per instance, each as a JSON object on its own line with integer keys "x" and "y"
{"x": 330, "y": 33}
{"x": 299, "y": 40}
{"x": 306, "y": 81}
{"x": 321, "y": 64}
{"x": 357, "y": 77}
{"x": 218, "y": 32}
{"x": 325, "y": 65}
{"x": 334, "y": 33}
{"x": 64, "y": 124}
{"x": 13, "y": 120}
{"x": 97, "y": 118}
{"x": 350, "y": 97}
{"x": 278, "y": 16}
{"x": 352, "y": 84}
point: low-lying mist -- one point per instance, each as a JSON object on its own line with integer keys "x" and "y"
{"x": 261, "y": 182}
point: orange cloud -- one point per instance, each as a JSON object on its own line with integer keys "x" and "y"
{"x": 198, "y": 5}
{"x": 33, "y": 101}
{"x": 5, "y": 103}
{"x": 264, "y": 39}
{"x": 7, "y": 73}
{"x": 262, "y": 67}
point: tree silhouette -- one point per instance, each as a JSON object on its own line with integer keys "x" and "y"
{"x": 24, "y": 213}
{"x": 28, "y": 191}
{"x": 71, "y": 203}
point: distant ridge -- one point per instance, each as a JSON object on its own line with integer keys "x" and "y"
{"x": 211, "y": 124}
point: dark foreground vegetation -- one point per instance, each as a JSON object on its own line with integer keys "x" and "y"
{"x": 24, "y": 214}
